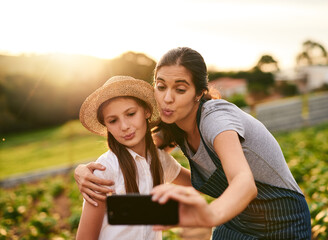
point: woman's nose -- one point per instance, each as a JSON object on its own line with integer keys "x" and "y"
{"x": 168, "y": 96}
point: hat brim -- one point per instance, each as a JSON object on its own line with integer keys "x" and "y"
{"x": 119, "y": 86}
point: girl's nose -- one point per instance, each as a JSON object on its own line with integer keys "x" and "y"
{"x": 125, "y": 125}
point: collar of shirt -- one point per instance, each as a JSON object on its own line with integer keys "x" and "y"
{"x": 136, "y": 156}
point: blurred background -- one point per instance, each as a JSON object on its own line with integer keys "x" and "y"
{"x": 267, "y": 57}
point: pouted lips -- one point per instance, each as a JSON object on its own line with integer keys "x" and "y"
{"x": 167, "y": 112}
{"x": 129, "y": 136}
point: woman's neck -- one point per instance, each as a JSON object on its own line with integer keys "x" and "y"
{"x": 189, "y": 123}
{"x": 189, "y": 126}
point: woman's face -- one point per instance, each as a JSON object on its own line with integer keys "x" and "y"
{"x": 126, "y": 120}
{"x": 175, "y": 94}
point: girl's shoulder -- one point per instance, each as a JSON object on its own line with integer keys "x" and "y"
{"x": 165, "y": 157}
{"x": 170, "y": 166}
{"x": 109, "y": 160}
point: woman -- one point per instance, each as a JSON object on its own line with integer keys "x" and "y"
{"x": 232, "y": 156}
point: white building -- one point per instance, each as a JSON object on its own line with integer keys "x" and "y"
{"x": 306, "y": 78}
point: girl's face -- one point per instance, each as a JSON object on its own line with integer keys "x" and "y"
{"x": 126, "y": 120}
{"x": 175, "y": 94}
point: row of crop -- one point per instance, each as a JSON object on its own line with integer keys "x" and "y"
{"x": 32, "y": 211}
{"x": 306, "y": 152}
{"x": 28, "y": 211}
{"x": 50, "y": 209}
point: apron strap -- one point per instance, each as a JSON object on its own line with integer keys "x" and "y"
{"x": 212, "y": 155}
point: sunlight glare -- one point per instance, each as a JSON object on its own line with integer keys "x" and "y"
{"x": 229, "y": 34}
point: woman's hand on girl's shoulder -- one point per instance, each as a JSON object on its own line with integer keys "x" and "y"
{"x": 90, "y": 186}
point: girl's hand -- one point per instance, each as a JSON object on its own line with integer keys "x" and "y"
{"x": 193, "y": 208}
{"x": 89, "y": 185}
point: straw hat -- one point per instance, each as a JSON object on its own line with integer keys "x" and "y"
{"x": 117, "y": 86}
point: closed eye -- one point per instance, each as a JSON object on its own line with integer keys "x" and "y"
{"x": 160, "y": 88}
{"x": 179, "y": 90}
{"x": 131, "y": 114}
{"x": 112, "y": 121}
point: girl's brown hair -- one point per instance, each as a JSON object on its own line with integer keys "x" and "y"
{"x": 126, "y": 161}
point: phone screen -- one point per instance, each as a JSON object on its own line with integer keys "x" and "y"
{"x": 136, "y": 209}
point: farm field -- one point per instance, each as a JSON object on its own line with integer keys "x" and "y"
{"x": 64, "y": 145}
{"x": 50, "y": 208}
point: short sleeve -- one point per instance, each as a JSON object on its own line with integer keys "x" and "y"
{"x": 170, "y": 166}
{"x": 219, "y": 116}
{"x": 111, "y": 173}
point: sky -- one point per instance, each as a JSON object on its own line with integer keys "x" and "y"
{"x": 230, "y": 35}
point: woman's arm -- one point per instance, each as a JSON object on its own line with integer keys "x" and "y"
{"x": 91, "y": 221}
{"x": 242, "y": 189}
{"x": 89, "y": 185}
{"x": 194, "y": 211}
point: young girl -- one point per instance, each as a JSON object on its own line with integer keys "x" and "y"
{"x": 124, "y": 109}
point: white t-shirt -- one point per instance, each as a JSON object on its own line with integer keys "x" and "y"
{"x": 113, "y": 172}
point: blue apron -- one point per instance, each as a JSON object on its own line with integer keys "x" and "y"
{"x": 276, "y": 213}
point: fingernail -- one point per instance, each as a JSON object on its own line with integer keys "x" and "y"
{"x": 96, "y": 204}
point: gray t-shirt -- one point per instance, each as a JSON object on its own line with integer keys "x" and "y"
{"x": 261, "y": 149}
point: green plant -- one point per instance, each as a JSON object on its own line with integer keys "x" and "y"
{"x": 239, "y": 100}
{"x": 28, "y": 211}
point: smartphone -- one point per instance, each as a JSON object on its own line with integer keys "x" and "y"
{"x": 138, "y": 209}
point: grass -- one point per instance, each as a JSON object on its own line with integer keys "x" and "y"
{"x": 58, "y": 146}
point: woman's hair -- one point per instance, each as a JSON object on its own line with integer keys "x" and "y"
{"x": 126, "y": 161}
{"x": 195, "y": 64}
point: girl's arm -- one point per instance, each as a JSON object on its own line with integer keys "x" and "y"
{"x": 91, "y": 221}
{"x": 194, "y": 211}
{"x": 183, "y": 178}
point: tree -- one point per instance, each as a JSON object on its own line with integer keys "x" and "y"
{"x": 239, "y": 100}
{"x": 259, "y": 83}
{"x": 267, "y": 64}
{"x": 313, "y": 53}
{"x": 260, "y": 78}
{"x": 137, "y": 65}
{"x": 46, "y": 90}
